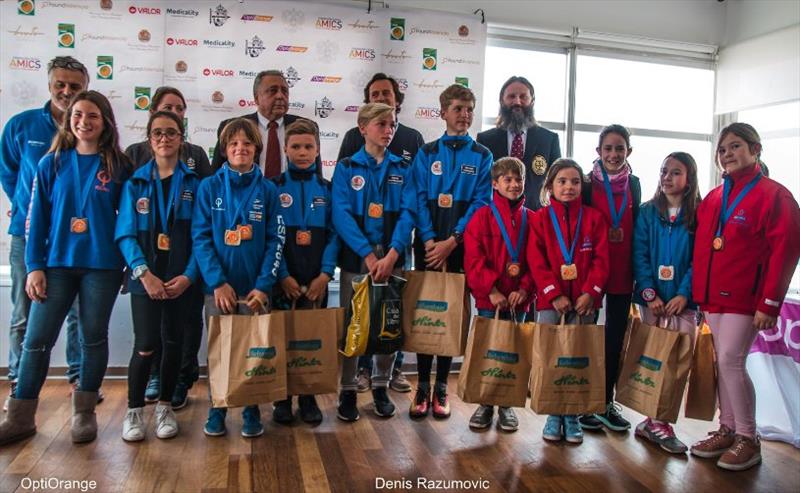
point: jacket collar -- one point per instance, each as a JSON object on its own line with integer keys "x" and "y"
{"x": 561, "y": 208}
{"x": 145, "y": 172}
{"x": 298, "y": 174}
{"x": 504, "y": 205}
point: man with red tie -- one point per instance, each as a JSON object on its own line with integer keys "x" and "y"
{"x": 519, "y": 135}
{"x": 271, "y": 92}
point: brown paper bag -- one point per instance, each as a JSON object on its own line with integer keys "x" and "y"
{"x": 312, "y": 355}
{"x": 655, "y": 367}
{"x": 436, "y": 313}
{"x": 497, "y": 363}
{"x": 246, "y": 359}
{"x": 701, "y": 396}
{"x": 569, "y": 369}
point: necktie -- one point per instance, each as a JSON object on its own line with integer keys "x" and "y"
{"x": 272, "y": 163}
{"x": 516, "y": 147}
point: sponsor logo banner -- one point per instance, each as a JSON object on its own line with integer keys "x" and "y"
{"x": 105, "y": 67}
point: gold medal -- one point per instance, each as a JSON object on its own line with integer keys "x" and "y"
{"x": 718, "y": 243}
{"x": 666, "y": 272}
{"x": 569, "y": 272}
{"x": 375, "y": 210}
{"x": 513, "y": 269}
{"x": 78, "y": 225}
{"x": 303, "y": 238}
{"x": 162, "y": 242}
{"x": 539, "y": 164}
{"x": 245, "y": 232}
{"x": 233, "y": 237}
{"x": 445, "y": 200}
{"x": 616, "y": 235}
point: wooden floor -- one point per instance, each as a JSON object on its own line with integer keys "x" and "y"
{"x": 337, "y": 456}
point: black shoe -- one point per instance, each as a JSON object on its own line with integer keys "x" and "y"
{"x": 282, "y": 411}
{"x": 180, "y": 397}
{"x": 348, "y": 408}
{"x": 384, "y": 407}
{"x": 612, "y": 419}
{"x": 590, "y": 422}
{"x": 507, "y": 419}
{"x": 482, "y": 417}
{"x": 309, "y": 410}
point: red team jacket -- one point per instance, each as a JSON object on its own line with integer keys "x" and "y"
{"x": 486, "y": 256}
{"x": 620, "y": 280}
{"x": 761, "y": 247}
{"x": 591, "y": 254}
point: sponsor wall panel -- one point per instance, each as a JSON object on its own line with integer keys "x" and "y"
{"x": 212, "y": 51}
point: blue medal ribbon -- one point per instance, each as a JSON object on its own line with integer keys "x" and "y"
{"x": 513, "y": 252}
{"x": 726, "y": 211}
{"x": 164, "y": 207}
{"x": 82, "y": 193}
{"x": 568, "y": 255}
{"x": 306, "y": 212}
{"x": 229, "y": 199}
{"x": 616, "y": 214}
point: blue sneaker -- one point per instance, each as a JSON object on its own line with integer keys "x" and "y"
{"x": 552, "y": 429}
{"x": 572, "y": 429}
{"x": 153, "y": 389}
{"x": 215, "y": 425}
{"x": 251, "y": 422}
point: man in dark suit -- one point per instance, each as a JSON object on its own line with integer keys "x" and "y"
{"x": 406, "y": 141}
{"x": 271, "y": 92}
{"x": 518, "y": 135}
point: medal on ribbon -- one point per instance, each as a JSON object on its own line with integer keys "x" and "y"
{"x": 513, "y": 268}
{"x": 616, "y": 233}
{"x": 569, "y": 271}
{"x": 726, "y": 211}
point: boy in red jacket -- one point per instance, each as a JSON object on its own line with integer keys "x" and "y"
{"x": 568, "y": 258}
{"x": 495, "y": 265}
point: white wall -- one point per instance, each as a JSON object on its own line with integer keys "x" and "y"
{"x": 748, "y": 19}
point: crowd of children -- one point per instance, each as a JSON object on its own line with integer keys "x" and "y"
{"x": 255, "y": 244}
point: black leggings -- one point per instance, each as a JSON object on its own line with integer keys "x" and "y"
{"x": 155, "y": 323}
{"x": 618, "y": 308}
{"x": 192, "y": 338}
{"x": 424, "y": 364}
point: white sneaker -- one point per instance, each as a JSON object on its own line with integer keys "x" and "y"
{"x": 133, "y": 426}
{"x": 166, "y": 424}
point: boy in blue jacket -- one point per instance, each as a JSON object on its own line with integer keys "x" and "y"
{"x": 373, "y": 213}
{"x": 309, "y": 254}
{"x": 238, "y": 235}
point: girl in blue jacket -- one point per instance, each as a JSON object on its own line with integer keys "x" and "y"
{"x": 154, "y": 235}
{"x": 662, "y": 265}
{"x": 71, "y": 252}
{"x": 238, "y": 234}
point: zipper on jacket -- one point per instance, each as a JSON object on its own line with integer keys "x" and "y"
{"x": 569, "y": 242}
{"x": 303, "y": 201}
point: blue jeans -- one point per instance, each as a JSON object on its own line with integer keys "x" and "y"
{"x": 503, "y": 315}
{"x": 20, "y": 311}
{"x": 98, "y": 289}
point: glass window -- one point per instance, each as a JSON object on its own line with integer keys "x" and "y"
{"x": 644, "y": 95}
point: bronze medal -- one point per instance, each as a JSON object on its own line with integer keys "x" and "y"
{"x": 539, "y": 164}
{"x": 78, "y": 225}
{"x": 245, "y": 231}
{"x": 616, "y": 235}
{"x": 445, "y": 200}
{"x": 513, "y": 269}
{"x": 375, "y": 210}
{"x": 718, "y": 243}
{"x": 162, "y": 242}
{"x": 569, "y": 272}
{"x": 666, "y": 272}
{"x": 303, "y": 238}
{"x": 233, "y": 237}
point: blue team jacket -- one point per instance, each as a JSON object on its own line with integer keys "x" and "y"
{"x": 653, "y": 245}
{"x": 254, "y": 263}
{"x": 305, "y": 204}
{"x": 26, "y": 138}
{"x": 138, "y": 224}
{"x": 51, "y": 242}
{"x": 359, "y": 181}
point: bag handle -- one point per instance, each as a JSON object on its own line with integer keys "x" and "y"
{"x": 261, "y": 304}
{"x": 563, "y": 320}
{"x": 314, "y": 304}
{"x": 667, "y": 322}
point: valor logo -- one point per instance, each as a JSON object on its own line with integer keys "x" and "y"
{"x": 144, "y": 10}
{"x": 218, "y": 16}
{"x": 253, "y": 47}
{"x": 181, "y": 42}
{"x": 218, "y": 72}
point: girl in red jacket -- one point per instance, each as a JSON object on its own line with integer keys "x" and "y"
{"x": 745, "y": 252}
{"x": 495, "y": 263}
{"x": 568, "y": 258}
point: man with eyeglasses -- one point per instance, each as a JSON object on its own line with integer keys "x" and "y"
{"x": 271, "y": 92}
{"x": 26, "y": 138}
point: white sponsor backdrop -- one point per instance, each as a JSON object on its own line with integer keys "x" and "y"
{"x": 212, "y": 51}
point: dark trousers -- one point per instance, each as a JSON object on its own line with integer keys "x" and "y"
{"x": 618, "y": 308}
{"x": 192, "y": 339}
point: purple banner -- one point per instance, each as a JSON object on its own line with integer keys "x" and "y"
{"x": 783, "y": 340}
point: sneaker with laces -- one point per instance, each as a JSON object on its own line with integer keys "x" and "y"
{"x": 482, "y": 417}
{"x": 421, "y": 403}
{"x": 348, "y": 408}
{"x": 153, "y": 389}
{"x": 383, "y": 406}
{"x": 180, "y": 397}
{"x": 282, "y": 411}
{"x": 364, "y": 382}
{"x": 661, "y": 434}
{"x": 166, "y": 423}
{"x": 744, "y": 454}
{"x": 251, "y": 422}
{"x": 612, "y": 419}
{"x": 572, "y": 429}
{"x": 399, "y": 382}
{"x": 552, "y": 428}
{"x": 133, "y": 425}
{"x": 589, "y": 422}
{"x": 715, "y": 444}
{"x": 507, "y": 419}
{"x": 12, "y": 388}
{"x": 441, "y": 404}
{"x": 215, "y": 424}
{"x": 309, "y": 410}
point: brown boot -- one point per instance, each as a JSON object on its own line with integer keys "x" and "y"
{"x": 744, "y": 454}
{"x": 715, "y": 444}
{"x": 84, "y": 421}
{"x": 20, "y": 421}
